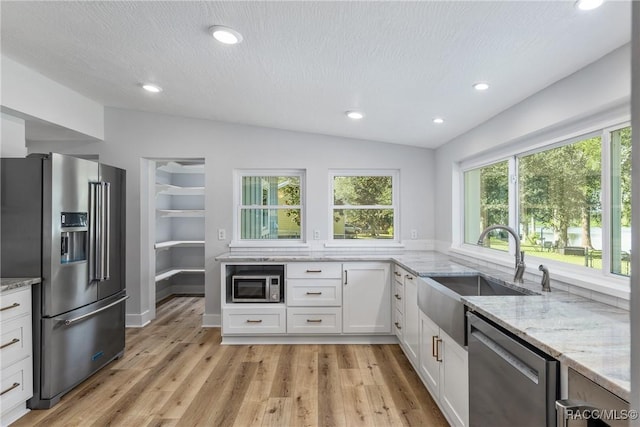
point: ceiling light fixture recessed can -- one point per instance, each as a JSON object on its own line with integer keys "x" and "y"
{"x": 588, "y": 4}
{"x": 355, "y": 115}
{"x": 481, "y": 86}
{"x": 438, "y": 120}
{"x": 225, "y": 35}
{"x": 151, "y": 88}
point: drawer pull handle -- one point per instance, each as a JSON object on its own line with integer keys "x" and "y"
{"x": 12, "y": 342}
{"x": 397, "y": 296}
{"x": 254, "y": 321}
{"x": 433, "y": 346}
{"x": 397, "y": 274}
{"x": 314, "y": 271}
{"x": 314, "y": 293}
{"x": 408, "y": 276}
{"x": 314, "y": 320}
{"x": 10, "y": 388}
{"x": 398, "y": 325}
{"x": 9, "y": 307}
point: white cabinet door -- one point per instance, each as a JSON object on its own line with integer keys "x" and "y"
{"x": 411, "y": 333}
{"x": 454, "y": 381}
{"x": 366, "y": 306}
{"x": 429, "y": 364}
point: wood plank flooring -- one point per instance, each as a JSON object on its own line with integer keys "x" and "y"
{"x": 176, "y": 373}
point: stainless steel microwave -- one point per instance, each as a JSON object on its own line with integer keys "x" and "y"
{"x": 255, "y": 288}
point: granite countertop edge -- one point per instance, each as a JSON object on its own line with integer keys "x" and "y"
{"x": 11, "y": 283}
{"x": 542, "y": 332}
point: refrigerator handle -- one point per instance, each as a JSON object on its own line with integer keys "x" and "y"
{"x": 95, "y": 234}
{"x": 106, "y": 209}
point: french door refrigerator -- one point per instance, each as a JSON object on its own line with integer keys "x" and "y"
{"x": 62, "y": 220}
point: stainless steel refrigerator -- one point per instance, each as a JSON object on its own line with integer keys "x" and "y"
{"x": 63, "y": 219}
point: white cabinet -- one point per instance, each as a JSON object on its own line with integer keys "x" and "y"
{"x": 264, "y": 319}
{"x": 444, "y": 369}
{"x": 16, "y": 376}
{"x": 179, "y": 231}
{"x": 411, "y": 333}
{"x": 366, "y": 296}
{"x": 314, "y": 298}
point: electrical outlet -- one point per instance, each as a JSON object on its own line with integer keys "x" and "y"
{"x": 414, "y": 234}
{"x": 222, "y": 234}
{"x": 316, "y": 234}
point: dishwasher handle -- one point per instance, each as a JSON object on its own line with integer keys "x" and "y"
{"x": 505, "y": 355}
{"x": 566, "y": 409}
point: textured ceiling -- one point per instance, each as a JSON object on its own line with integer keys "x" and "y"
{"x": 303, "y": 64}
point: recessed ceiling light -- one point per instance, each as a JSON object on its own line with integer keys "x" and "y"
{"x": 481, "y": 86}
{"x": 438, "y": 120}
{"x": 225, "y": 35}
{"x": 588, "y": 4}
{"x": 151, "y": 88}
{"x": 355, "y": 115}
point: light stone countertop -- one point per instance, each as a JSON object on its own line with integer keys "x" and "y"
{"x": 10, "y": 283}
{"x": 591, "y": 337}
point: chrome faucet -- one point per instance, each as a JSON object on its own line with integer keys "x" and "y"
{"x": 520, "y": 265}
{"x": 546, "y": 282}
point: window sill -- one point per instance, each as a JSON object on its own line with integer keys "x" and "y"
{"x": 583, "y": 277}
{"x": 268, "y": 245}
{"x": 365, "y": 245}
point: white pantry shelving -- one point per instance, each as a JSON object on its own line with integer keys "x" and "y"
{"x": 179, "y": 219}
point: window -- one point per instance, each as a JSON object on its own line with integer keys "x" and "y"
{"x": 364, "y": 206}
{"x": 560, "y": 214}
{"x": 559, "y": 203}
{"x": 486, "y": 195}
{"x": 270, "y": 205}
{"x": 621, "y": 201}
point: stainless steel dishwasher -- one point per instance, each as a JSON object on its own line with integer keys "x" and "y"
{"x": 510, "y": 382}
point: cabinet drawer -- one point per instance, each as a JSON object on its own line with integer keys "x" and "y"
{"x": 314, "y": 292}
{"x": 398, "y": 323}
{"x": 318, "y": 270}
{"x": 325, "y": 320}
{"x": 398, "y": 274}
{"x": 15, "y": 341}
{"x": 254, "y": 321}
{"x": 398, "y": 296}
{"x": 15, "y": 304}
{"x": 16, "y": 384}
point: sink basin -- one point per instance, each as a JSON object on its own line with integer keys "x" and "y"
{"x": 476, "y": 285}
{"x": 440, "y": 298}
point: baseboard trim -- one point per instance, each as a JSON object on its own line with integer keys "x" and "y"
{"x": 328, "y": 339}
{"x": 138, "y": 320}
{"x": 211, "y": 320}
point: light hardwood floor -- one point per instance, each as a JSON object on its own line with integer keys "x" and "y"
{"x": 176, "y": 373}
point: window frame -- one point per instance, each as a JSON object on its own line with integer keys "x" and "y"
{"x": 395, "y": 206}
{"x": 603, "y": 280}
{"x": 238, "y": 176}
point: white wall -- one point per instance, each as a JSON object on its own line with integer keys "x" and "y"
{"x": 599, "y": 92}
{"x": 26, "y": 92}
{"x": 130, "y": 136}
{"x": 12, "y": 141}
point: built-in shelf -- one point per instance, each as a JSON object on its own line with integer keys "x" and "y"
{"x": 180, "y": 213}
{"x": 174, "y": 190}
{"x": 164, "y": 275}
{"x": 175, "y": 167}
{"x": 179, "y": 244}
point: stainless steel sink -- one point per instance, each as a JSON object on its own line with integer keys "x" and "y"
{"x": 439, "y": 297}
{"x": 476, "y": 285}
